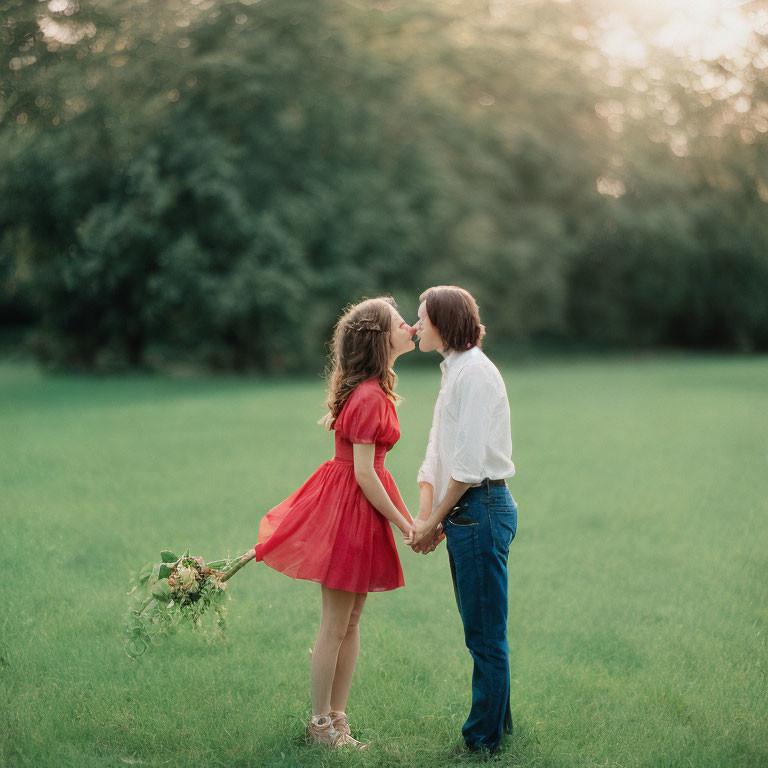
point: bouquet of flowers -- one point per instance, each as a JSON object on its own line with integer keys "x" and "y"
{"x": 178, "y": 591}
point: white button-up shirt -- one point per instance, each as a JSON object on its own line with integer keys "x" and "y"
{"x": 470, "y": 437}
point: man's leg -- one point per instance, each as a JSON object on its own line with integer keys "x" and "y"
{"x": 452, "y": 564}
{"x": 480, "y": 579}
{"x": 490, "y": 714}
{"x": 508, "y": 727}
{"x": 503, "y": 517}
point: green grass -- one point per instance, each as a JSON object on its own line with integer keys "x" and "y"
{"x": 638, "y": 597}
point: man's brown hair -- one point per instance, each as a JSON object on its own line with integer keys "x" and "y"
{"x": 454, "y": 313}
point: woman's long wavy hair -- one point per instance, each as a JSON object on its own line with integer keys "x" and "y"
{"x": 361, "y": 350}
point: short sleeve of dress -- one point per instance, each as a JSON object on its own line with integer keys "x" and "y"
{"x": 367, "y": 417}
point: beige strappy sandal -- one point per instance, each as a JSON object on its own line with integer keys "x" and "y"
{"x": 321, "y": 730}
{"x": 341, "y": 724}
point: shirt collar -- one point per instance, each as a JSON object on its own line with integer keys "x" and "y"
{"x": 457, "y": 359}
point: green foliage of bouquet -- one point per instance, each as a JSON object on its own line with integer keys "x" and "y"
{"x": 175, "y": 592}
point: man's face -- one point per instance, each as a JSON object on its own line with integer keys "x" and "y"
{"x": 429, "y": 338}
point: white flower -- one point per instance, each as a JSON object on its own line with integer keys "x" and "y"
{"x": 186, "y": 578}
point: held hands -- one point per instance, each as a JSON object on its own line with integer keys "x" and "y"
{"x": 426, "y": 536}
{"x": 422, "y": 530}
{"x": 430, "y": 543}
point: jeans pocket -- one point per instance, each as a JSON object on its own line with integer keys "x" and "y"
{"x": 460, "y": 517}
{"x": 461, "y": 520}
{"x": 504, "y": 522}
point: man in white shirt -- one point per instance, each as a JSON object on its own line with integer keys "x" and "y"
{"x": 465, "y": 499}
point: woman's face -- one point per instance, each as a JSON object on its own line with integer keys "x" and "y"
{"x": 400, "y": 335}
{"x": 429, "y": 338}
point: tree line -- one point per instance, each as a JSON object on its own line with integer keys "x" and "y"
{"x": 213, "y": 181}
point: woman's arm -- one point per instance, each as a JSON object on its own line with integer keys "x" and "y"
{"x": 372, "y": 487}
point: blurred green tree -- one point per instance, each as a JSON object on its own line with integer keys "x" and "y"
{"x": 213, "y": 181}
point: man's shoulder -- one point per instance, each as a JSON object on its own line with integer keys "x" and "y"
{"x": 477, "y": 360}
{"x": 479, "y": 368}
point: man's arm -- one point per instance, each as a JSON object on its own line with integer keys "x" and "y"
{"x": 426, "y": 474}
{"x": 426, "y": 481}
{"x": 423, "y": 529}
{"x": 474, "y": 421}
{"x": 474, "y": 424}
{"x": 426, "y": 496}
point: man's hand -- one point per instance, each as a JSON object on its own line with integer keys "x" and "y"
{"x": 430, "y": 543}
{"x": 423, "y": 530}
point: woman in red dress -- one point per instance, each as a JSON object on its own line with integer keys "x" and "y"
{"x": 335, "y": 529}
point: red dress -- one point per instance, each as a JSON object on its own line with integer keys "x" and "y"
{"x": 328, "y": 531}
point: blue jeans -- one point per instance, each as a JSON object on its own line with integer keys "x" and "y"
{"x": 478, "y": 536}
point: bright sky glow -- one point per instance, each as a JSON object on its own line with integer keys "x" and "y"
{"x": 695, "y": 29}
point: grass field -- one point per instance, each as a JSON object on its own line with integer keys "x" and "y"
{"x": 638, "y": 578}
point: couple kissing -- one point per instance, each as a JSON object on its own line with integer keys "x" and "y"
{"x": 335, "y": 530}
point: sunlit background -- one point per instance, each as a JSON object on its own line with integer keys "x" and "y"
{"x": 694, "y": 29}
{"x": 179, "y": 177}
{"x": 190, "y": 186}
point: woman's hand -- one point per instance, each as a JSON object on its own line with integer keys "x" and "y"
{"x": 422, "y": 530}
{"x": 430, "y": 543}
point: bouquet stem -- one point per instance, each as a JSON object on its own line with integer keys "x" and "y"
{"x": 241, "y": 562}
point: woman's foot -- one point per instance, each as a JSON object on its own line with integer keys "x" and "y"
{"x": 322, "y": 731}
{"x": 341, "y": 724}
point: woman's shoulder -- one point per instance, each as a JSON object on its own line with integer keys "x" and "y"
{"x": 365, "y": 417}
{"x": 368, "y": 398}
{"x": 362, "y": 397}
{"x": 370, "y": 389}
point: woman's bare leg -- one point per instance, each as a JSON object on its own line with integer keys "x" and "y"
{"x": 337, "y": 607}
{"x": 347, "y": 658}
